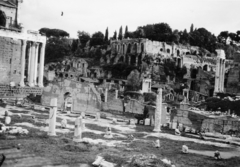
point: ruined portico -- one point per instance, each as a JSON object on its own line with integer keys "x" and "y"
{"x": 220, "y": 71}
{"x": 31, "y": 47}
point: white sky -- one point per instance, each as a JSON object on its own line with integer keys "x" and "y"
{"x": 96, "y": 15}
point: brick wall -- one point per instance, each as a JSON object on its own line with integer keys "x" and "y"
{"x": 10, "y": 60}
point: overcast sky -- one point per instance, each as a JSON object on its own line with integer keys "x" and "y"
{"x": 96, "y": 15}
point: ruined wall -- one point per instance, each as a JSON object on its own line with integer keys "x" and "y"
{"x": 85, "y": 97}
{"x": 10, "y": 60}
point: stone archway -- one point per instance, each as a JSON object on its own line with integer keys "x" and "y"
{"x": 2, "y": 19}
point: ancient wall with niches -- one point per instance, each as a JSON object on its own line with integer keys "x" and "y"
{"x": 10, "y": 60}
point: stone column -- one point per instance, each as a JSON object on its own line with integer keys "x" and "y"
{"x": 29, "y": 60}
{"x": 158, "y": 112}
{"x": 23, "y": 59}
{"x": 41, "y": 65}
{"x": 106, "y": 95}
{"x": 52, "y": 117}
{"x": 220, "y": 76}
{"x": 223, "y": 75}
{"x": 33, "y": 50}
{"x": 216, "y": 86}
{"x": 36, "y": 64}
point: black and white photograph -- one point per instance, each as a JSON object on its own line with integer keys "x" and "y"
{"x": 119, "y": 83}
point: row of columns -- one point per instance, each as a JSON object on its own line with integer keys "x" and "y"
{"x": 34, "y": 70}
{"x": 220, "y": 72}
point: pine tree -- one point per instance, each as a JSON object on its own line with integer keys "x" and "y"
{"x": 191, "y": 28}
{"x": 115, "y": 35}
{"x": 106, "y": 35}
{"x": 120, "y": 36}
{"x": 126, "y": 32}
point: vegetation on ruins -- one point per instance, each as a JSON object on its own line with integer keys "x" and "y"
{"x": 83, "y": 37}
{"x": 223, "y": 103}
{"x": 134, "y": 81}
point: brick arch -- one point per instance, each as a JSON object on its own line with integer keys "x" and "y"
{"x": 2, "y": 19}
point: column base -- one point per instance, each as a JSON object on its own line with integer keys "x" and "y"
{"x": 40, "y": 85}
{"x": 22, "y": 84}
{"x": 31, "y": 84}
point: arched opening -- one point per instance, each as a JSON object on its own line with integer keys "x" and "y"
{"x": 178, "y": 53}
{"x": 140, "y": 59}
{"x": 168, "y": 50}
{"x": 123, "y": 49}
{"x": 120, "y": 60}
{"x": 133, "y": 60}
{"x": 161, "y": 49}
{"x": 129, "y": 48}
{"x": 2, "y": 19}
{"x": 135, "y": 48}
{"x": 66, "y": 75}
{"x": 142, "y": 47}
{"x": 66, "y": 95}
{"x": 179, "y": 62}
{"x": 187, "y": 53}
{"x": 205, "y": 67}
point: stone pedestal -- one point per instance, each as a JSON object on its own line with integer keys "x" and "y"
{"x": 52, "y": 117}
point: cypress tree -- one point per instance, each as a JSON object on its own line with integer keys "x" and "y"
{"x": 106, "y": 35}
{"x": 126, "y": 32}
{"x": 120, "y": 36}
{"x": 115, "y": 35}
{"x": 191, "y": 28}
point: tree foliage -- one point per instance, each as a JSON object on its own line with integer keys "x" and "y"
{"x": 84, "y": 37}
{"x": 106, "y": 35}
{"x": 120, "y": 35}
{"x": 97, "y": 39}
{"x": 126, "y": 32}
{"x": 56, "y": 49}
{"x": 53, "y": 32}
{"x": 114, "y": 35}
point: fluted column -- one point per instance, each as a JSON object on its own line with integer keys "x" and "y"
{"x": 29, "y": 60}
{"x": 216, "y": 86}
{"x": 23, "y": 57}
{"x": 220, "y": 76}
{"x": 223, "y": 75}
{"x": 41, "y": 65}
{"x": 32, "y": 65}
{"x": 36, "y": 64}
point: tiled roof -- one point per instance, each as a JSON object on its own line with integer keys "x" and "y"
{"x": 7, "y": 4}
